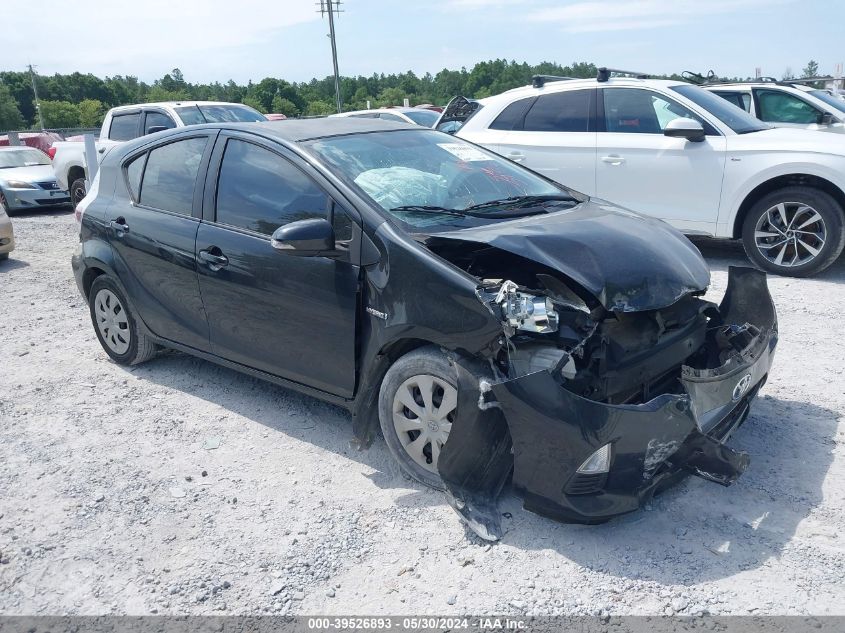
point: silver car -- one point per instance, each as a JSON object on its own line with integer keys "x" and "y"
{"x": 7, "y": 237}
{"x": 27, "y": 180}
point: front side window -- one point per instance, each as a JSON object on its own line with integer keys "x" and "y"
{"x": 124, "y": 127}
{"x": 171, "y": 175}
{"x": 638, "y": 111}
{"x": 158, "y": 119}
{"x": 776, "y": 106}
{"x": 260, "y": 191}
{"x": 737, "y": 120}
{"x": 567, "y": 111}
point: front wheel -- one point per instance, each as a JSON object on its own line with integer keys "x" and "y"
{"x": 794, "y": 231}
{"x": 418, "y": 403}
{"x": 77, "y": 191}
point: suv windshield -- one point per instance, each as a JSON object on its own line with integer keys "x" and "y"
{"x": 834, "y": 102}
{"x": 426, "y": 180}
{"x": 222, "y": 113}
{"x": 738, "y": 120}
{"x": 22, "y": 158}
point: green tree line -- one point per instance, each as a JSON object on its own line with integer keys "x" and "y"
{"x": 81, "y": 100}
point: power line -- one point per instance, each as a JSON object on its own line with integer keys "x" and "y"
{"x": 331, "y": 7}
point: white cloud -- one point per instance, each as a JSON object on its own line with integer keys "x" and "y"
{"x": 619, "y": 15}
{"x": 128, "y": 36}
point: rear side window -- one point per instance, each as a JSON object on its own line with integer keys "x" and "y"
{"x": 781, "y": 107}
{"x": 512, "y": 116}
{"x": 260, "y": 191}
{"x": 171, "y": 174}
{"x": 739, "y": 99}
{"x": 124, "y": 127}
{"x": 133, "y": 175}
{"x": 560, "y": 112}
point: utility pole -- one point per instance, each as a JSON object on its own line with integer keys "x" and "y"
{"x": 37, "y": 102}
{"x": 326, "y": 7}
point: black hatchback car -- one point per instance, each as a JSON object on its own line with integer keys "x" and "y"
{"x": 495, "y": 325}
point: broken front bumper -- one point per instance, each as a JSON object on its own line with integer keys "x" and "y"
{"x": 652, "y": 445}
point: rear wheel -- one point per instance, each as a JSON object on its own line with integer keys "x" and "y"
{"x": 795, "y": 231}
{"x": 77, "y": 191}
{"x": 116, "y": 327}
{"x": 418, "y": 403}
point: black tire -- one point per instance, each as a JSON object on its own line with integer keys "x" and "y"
{"x": 140, "y": 347}
{"x": 832, "y": 220}
{"x": 77, "y": 191}
{"x": 429, "y": 361}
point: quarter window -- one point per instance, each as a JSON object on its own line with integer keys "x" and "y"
{"x": 171, "y": 175}
{"x": 124, "y": 127}
{"x": 260, "y": 191}
{"x": 133, "y": 174}
{"x": 781, "y": 107}
{"x": 567, "y": 111}
{"x": 637, "y": 111}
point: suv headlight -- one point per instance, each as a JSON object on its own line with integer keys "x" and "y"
{"x": 19, "y": 184}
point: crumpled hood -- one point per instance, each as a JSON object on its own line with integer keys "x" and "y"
{"x": 627, "y": 261}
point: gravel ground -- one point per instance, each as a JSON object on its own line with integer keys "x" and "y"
{"x": 180, "y": 487}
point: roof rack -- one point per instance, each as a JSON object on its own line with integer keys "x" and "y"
{"x": 604, "y": 74}
{"x": 698, "y": 78}
{"x": 538, "y": 81}
{"x": 808, "y": 80}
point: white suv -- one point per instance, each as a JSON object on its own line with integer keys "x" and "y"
{"x": 674, "y": 151}
{"x": 785, "y": 104}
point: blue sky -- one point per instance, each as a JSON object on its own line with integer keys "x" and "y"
{"x": 251, "y": 39}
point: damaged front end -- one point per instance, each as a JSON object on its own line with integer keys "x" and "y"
{"x": 592, "y": 409}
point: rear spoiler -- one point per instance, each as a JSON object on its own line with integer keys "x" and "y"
{"x": 457, "y": 112}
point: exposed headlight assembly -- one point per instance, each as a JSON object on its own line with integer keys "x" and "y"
{"x": 526, "y": 312}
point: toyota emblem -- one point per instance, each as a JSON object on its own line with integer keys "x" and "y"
{"x": 741, "y": 387}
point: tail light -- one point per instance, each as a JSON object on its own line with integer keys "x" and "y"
{"x": 51, "y": 153}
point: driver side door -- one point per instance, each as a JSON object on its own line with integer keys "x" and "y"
{"x": 639, "y": 168}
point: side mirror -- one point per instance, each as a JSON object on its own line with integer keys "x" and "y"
{"x": 305, "y": 238}
{"x": 689, "y": 129}
{"x": 156, "y": 128}
{"x": 826, "y": 119}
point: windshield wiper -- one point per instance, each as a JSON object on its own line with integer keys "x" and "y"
{"x": 424, "y": 208}
{"x": 517, "y": 202}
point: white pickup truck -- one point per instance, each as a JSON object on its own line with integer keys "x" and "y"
{"x": 125, "y": 123}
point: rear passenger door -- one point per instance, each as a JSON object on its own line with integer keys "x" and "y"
{"x": 153, "y": 231}
{"x": 553, "y": 134}
{"x": 289, "y": 316}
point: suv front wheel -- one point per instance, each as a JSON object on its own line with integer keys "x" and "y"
{"x": 794, "y": 231}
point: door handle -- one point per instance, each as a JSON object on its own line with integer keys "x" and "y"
{"x": 120, "y": 226}
{"x": 516, "y": 157}
{"x": 101, "y": 150}
{"x": 613, "y": 159}
{"x": 215, "y": 262}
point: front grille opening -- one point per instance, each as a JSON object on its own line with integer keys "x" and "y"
{"x": 582, "y": 484}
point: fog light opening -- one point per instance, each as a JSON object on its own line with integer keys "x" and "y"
{"x": 598, "y": 462}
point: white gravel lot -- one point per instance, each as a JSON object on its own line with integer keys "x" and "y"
{"x": 112, "y": 501}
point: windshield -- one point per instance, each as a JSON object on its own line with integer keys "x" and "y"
{"x": 426, "y": 118}
{"x": 836, "y": 103}
{"x": 222, "y": 113}
{"x": 425, "y": 180}
{"x": 22, "y": 158}
{"x": 735, "y": 118}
